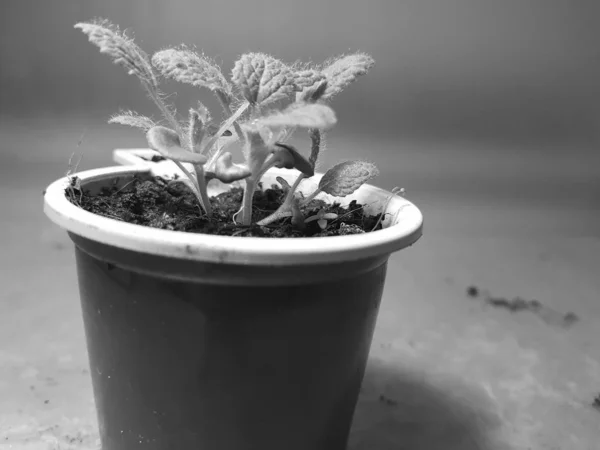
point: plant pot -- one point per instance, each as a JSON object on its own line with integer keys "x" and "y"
{"x": 227, "y": 343}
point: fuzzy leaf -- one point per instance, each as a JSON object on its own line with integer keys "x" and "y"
{"x": 313, "y": 93}
{"x": 195, "y": 130}
{"x": 186, "y": 66}
{"x": 132, "y": 119}
{"x": 120, "y": 48}
{"x": 203, "y": 113}
{"x": 346, "y": 177}
{"x": 311, "y": 85}
{"x": 306, "y": 115}
{"x": 344, "y": 70}
{"x": 262, "y": 79}
{"x": 292, "y": 158}
{"x": 228, "y": 172}
{"x": 283, "y": 159}
{"x": 308, "y": 78}
{"x": 167, "y": 143}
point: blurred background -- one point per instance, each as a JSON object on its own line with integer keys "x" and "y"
{"x": 510, "y": 70}
{"x": 467, "y": 97}
{"x": 486, "y": 112}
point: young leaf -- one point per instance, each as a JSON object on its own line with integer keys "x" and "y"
{"x": 227, "y": 171}
{"x": 306, "y": 115}
{"x": 313, "y": 93}
{"x": 346, "y": 177}
{"x": 321, "y": 217}
{"x": 132, "y": 119}
{"x": 195, "y": 131}
{"x": 203, "y": 113}
{"x": 344, "y": 70}
{"x": 290, "y": 158}
{"x": 120, "y": 48}
{"x": 166, "y": 142}
{"x": 311, "y": 85}
{"x": 282, "y": 159}
{"x": 262, "y": 79}
{"x": 186, "y": 66}
{"x": 285, "y": 186}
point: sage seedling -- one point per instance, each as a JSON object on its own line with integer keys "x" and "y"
{"x": 321, "y": 217}
{"x": 263, "y": 101}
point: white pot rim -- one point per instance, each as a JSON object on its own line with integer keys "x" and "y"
{"x": 406, "y": 230}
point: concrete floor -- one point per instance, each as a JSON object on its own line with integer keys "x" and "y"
{"x": 446, "y": 371}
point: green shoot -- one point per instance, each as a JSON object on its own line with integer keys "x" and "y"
{"x": 321, "y": 217}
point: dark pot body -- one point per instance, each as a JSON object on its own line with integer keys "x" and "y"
{"x": 190, "y": 355}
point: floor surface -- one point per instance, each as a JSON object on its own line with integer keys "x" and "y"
{"x": 446, "y": 371}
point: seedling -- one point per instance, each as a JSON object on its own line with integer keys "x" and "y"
{"x": 321, "y": 217}
{"x": 74, "y": 189}
{"x": 263, "y": 101}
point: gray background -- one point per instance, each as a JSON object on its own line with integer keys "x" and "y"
{"x": 508, "y": 70}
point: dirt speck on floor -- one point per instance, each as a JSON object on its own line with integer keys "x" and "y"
{"x": 387, "y": 401}
{"x": 519, "y": 304}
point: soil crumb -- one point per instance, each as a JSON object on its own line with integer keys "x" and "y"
{"x": 170, "y": 205}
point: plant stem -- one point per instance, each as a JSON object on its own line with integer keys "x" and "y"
{"x": 315, "y": 137}
{"x": 279, "y": 214}
{"x": 310, "y": 198}
{"x": 285, "y": 209}
{"x": 270, "y": 162}
{"x": 247, "y": 200}
{"x": 164, "y": 109}
{"x": 256, "y": 153}
{"x": 294, "y": 186}
{"x": 225, "y": 104}
{"x": 194, "y": 181}
{"x": 224, "y": 127}
{"x": 210, "y": 165}
{"x": 186, "y": 172}
{"x": 201, "y": 182}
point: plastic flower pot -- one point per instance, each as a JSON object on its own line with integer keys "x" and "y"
{"x": 227, "y": 343}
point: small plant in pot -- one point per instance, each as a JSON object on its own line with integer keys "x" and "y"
{"x": 202, "y": 330}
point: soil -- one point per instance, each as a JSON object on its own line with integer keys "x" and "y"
{"x": 170, "y": 205}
